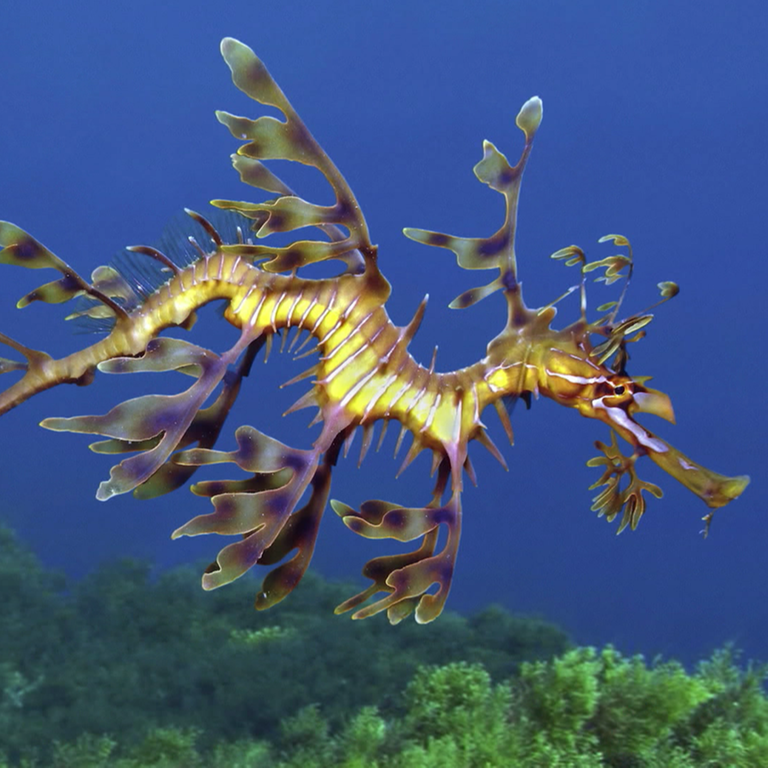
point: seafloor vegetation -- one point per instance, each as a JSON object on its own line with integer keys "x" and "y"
{"x": 122, "y": 670}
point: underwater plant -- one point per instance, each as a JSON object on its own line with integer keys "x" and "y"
{"x": 364, "y": 373}
{"x": 585, "y": 709}
{"x": 107, "y": 654}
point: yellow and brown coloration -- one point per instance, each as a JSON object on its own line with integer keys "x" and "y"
{"x": 364, "y": 373}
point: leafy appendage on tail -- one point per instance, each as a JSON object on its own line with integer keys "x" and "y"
{"x": 20, "y": 249}
{"x": 156, "y": 425}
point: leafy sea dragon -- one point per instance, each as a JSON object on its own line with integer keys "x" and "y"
{"x": 363, "y": 374}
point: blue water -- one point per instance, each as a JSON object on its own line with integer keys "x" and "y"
{"x": 654, "y": 127}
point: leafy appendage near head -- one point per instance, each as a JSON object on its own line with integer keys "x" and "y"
{"x": 713, "y": 488}
{"x": 613, "y": 498}
{"x": 498, "y": 250}
{"x": 617, "y": 333}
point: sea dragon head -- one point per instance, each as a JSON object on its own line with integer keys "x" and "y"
{"x": 529, "y": 357}
{"x": 573, "y": 375}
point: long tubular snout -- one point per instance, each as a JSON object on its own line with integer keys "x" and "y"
{"x": 714, "y": 489}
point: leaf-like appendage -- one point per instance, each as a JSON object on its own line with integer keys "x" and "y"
{"x": 668, "y": 289}
{"x": 471, "y": 252}
{"x": 256, "y": 452}
{"x": 136, "y": 423}
{"x": 613, "y": 498}
{"x": 494, "y": 169}
{"x": 268, "y": 138}
{"x": 529, "y": 117}
{"x": 473, "y": 295}
{"x": 498, "y": 250}
{"x": 203, "y": 431}
{"x": 111, "y": 283}
{"x": 293, "y": 256}
{"x": 256, "y": 174}
{"x": 613, "y": 266}
{"x": 287, "y": 213}
{"x": 617, "y": 337}
{"x": 35, "y": 358}
{"x": 405, "y": 578}
{"x": 384, "y": 520}
{"x": 261, "y": 509}
{"x": 162, "y": 354}
{"x": 619, "y": 240}
{"x": 299, "y": 533}
{"x": 6, "y": 365}
{"x": 572, "y": 255}
{"x": 22, "y": 250}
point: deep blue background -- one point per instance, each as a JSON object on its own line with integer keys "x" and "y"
{"x": 654, "y": 127}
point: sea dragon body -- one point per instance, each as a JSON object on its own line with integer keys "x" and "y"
{"x": 364, "y": 372}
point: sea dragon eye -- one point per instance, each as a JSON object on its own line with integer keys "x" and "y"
{"x": 623, "y": 388}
